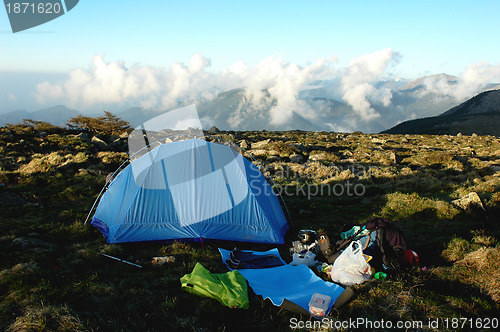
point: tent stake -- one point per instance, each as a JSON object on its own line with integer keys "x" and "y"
{"x": 121, "y": 260}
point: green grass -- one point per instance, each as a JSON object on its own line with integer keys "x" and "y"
{"x": 52, "y": 276}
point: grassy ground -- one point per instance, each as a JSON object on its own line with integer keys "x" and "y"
{"x": 52, "y": 276}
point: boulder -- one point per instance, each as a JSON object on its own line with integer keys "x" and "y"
{"x": 243, "y": 144}
{"x": 376, "y": 140}
{"x": 261, "y": 144}
{"x": 32, "y": 244}
{"x": 214, "y": 130}
{"x": 258, "y": 153}
{"x": 297, "y": 158}
{"x": 468, "y": 201}
{"x": 272, "y": 158}
{"x": 83, "y": 136}
{"x": 99, "y": 143}
{"x": 299, "y": 147}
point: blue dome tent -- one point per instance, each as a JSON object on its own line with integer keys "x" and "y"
{"x": 191, "y": 189}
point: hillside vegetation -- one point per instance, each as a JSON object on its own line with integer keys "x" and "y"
{"x": 478, "y": 115}
{"x": 52, "y": 276}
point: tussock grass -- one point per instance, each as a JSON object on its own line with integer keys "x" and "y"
{"x": 52, "y": 178}
{"x": 48, "y": 163}
{"x": 401, "y": 206}
{"x": 109, "y": 157}
{"x": 476, "y": 262}
{"x": 46, "y": 318}
{"x": 485, "y": 262}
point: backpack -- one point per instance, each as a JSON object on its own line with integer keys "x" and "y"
{"x": 391, "y": 245}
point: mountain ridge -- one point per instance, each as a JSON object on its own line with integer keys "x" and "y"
{"x": 316, "y": 108}
{"x": 478, "y": 115}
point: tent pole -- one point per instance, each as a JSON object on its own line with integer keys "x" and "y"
{"x": 120, "y": 260}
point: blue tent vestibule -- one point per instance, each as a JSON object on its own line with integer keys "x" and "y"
{"x": 190, "y": 189}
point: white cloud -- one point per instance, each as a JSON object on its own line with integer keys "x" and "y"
{"x": 272, "y": 85}
{"x": 283, "y": 81}
{"x": 114, "y": 83}
{"x": 472, "y": 81}
{"x": 358, "y": 82}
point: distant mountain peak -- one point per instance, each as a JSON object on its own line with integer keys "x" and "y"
{"x": 419, "y": 82}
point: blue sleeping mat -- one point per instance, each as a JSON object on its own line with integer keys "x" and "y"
{"x": 296, "y": 284}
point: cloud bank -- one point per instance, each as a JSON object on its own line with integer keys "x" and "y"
{"x": 272, "y": 85}
{"x": 359, "y": 79}
{"x": 473, "y": 80}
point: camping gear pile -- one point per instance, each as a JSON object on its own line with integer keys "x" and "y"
{"x": 198, "y": 190}
{"x": 377, "y": 248}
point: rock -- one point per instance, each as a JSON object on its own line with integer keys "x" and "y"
{"x": 32, "y": 244}
{"x": 124, "y": 135}
{"x": 393, "y": 157}
{"x": 258, "y": 153}
{"x": 273, "y": 158}
{"x": 83, "y": 136}
{"x": 228, "y": 137}
{"x": 243, "y": 144}
{"x": 495, "y": 168}
{"x": 474, "y": 135}
{"x": 159, "y": 261}
{"x": 118, "y": 143}
{"x": 214, "y": 130}
{"x": 348, "y": 153}
{"x": 299, "y": 147}
{"x": 24, "y": 267}
{"x": 297, "y": 158}
{"x": 459, "y": 135}
{"x": 261, "y": 144}
{"x": 468, "y": 201}
{"x": 376, "y": 140}
{"x": 99, "y": 143}
{"x": 323, "y": 156}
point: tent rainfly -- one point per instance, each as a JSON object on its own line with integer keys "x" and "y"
{"x": 190, "y": 190}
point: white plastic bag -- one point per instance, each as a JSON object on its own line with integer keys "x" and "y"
{"x": 351, "y": 267}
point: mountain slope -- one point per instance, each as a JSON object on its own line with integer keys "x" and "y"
{"x": 57, "y": 115}
{"x": 480, "y": 115}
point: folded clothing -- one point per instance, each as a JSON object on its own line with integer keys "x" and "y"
{"x": 239, "y": 259}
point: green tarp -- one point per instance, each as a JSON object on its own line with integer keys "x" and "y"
{"x": 228, "y": 288}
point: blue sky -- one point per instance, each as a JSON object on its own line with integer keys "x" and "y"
{"x": 413, "y": 38}
{"x": 431, "y": 36}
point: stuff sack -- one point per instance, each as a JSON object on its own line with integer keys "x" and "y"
{"x": 228, "y": 288}
{"x": 351, "y": 266}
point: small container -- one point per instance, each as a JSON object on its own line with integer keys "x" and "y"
{"x": 319, "y": 304}
{"x": 306, "y": 259}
